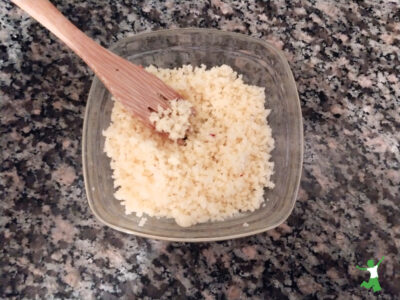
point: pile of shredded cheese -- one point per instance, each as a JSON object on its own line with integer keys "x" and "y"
{"x": 174, "y": 120}
{"x": 220, "y": 170}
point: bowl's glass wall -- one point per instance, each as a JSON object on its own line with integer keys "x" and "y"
{"x": 260, "y": 65}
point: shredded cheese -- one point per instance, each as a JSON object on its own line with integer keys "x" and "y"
{"x": 221, "y": 169}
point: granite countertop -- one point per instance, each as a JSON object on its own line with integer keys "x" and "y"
{"x": 345, "y": 59}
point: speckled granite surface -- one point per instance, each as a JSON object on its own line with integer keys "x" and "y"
{"x": 345, "y": 58}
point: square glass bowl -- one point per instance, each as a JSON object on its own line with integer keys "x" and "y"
{"x": 261, "y": 65}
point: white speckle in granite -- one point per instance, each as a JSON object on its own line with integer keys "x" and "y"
{"x": 233, "y": 25}
{"x": 262, "y": 17}
{"x": 233, "y": 293}
{"x": 169, "y": 3}
{"x": 225, "y": 8}
{"x": 14, "y": 177}
{"x": 72, "y": 276}
{"x": 207, "y": 295}
{"x": 380, "y": 144}
{"x": 56, "y": 256}
{"x": 210, "y": 256}
{"x": 337, "y": 109}
{"x": 7, "y": 233}
{"x": 392, "y": 78}
{"x": 316, "y": 19}
{"x": 394, "y": 176}
{"x": 115, "y": 257}
{"x": 275, "y": 41}
{"x": 300, "y": 11}
{"x": 364, "y": 81}
{"x": 46, "y": 225}
{"x": 66, "y": 143}
{"x": 307, "y": 285}
{"x": 323, "y": 180}
{"x": 147, "y": 7}
{"x": 14, "y": 134}
{"x": 301, "y": 35}
{"x": 332, "y": 143}
{"x": 250, "y": 252}
{"x": 57, "y": 105}
{"x": 64, "y": 174}
{"x": 285, "y": 228}
{"x": 275, "y": 235}
{"x": 332, "y": 274}
{"x": 387, "y": 38}
{"x": 43, "y": 147}
{"x": 328, "y": 8}
{"x": 341, "y": 239}
{"x": 63, "y": 230}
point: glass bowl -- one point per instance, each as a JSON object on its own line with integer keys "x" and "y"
{"x": 260, "y": 64}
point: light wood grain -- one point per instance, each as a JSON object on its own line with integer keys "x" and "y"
{"x": 130, "y": 84}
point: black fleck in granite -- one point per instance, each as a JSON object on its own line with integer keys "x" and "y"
{"x": 346, "y": 61}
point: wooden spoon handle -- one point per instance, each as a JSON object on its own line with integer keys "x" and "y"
{"x": 50, "y": 17}
{"x": 130, "y": 84}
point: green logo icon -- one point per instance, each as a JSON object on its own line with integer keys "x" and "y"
{"x": 373, "y": 280}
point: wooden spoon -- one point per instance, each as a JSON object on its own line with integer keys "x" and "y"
{"x": 139, "y": 91}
